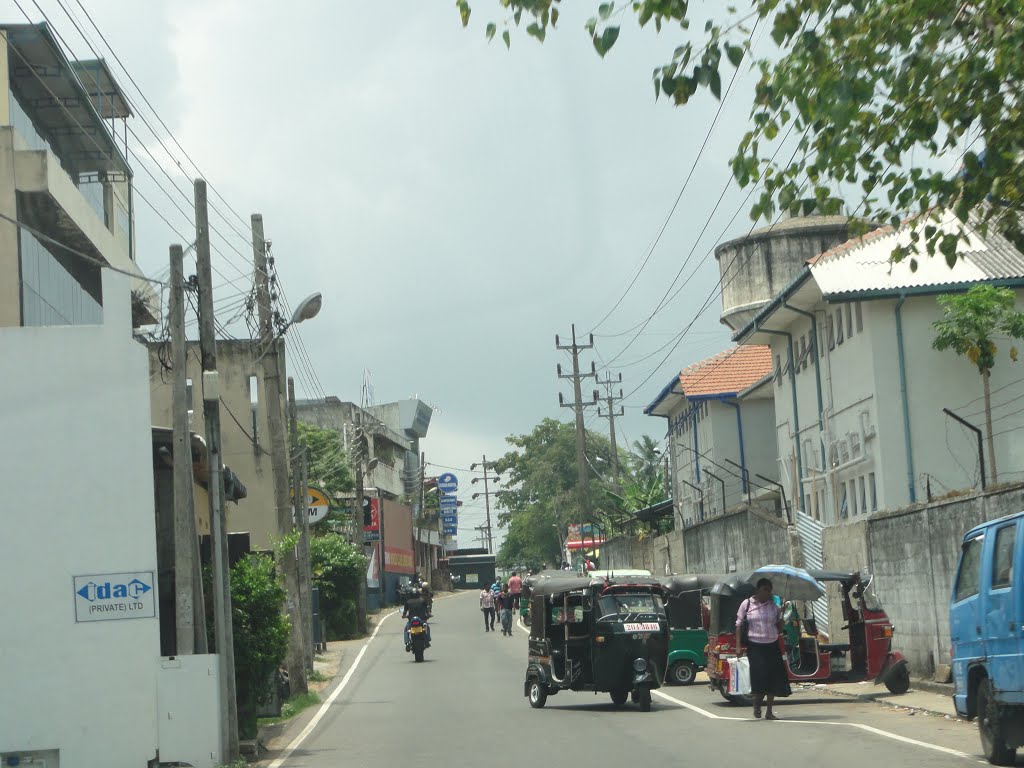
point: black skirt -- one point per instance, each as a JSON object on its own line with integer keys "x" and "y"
{"x": 767, "y": 670}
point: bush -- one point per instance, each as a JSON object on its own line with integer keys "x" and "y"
{"x": 261, "y": 631}
{"x": 338, "y": 569}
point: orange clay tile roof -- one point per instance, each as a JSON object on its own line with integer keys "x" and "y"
{"x": 730, "y": 371}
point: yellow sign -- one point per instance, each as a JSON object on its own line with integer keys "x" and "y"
{"x": 317, "y": 505}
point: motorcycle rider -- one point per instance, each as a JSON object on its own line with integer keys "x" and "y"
{"x": 416, "y": 607}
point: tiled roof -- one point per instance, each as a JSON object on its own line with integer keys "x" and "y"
{"x": 863, "y": 264}
{"x": 730, "y": 371}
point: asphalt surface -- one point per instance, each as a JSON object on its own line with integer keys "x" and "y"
{"x": 464, "y": 707}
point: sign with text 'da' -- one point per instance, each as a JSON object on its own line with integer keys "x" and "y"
{"x": 112, "y": 596}
{"x": 447, "y": 483}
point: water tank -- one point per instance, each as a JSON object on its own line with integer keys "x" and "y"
{"x": 756, "y": 267}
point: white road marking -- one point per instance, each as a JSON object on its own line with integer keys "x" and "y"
{"x": 297, "y": 741}
{"x": 860, "y": 726}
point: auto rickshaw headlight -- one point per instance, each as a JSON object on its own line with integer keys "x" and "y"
{"x": 640, "y": 665}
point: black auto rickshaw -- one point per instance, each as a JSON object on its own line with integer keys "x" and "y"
{"x": 530, "y": 582}
{"x": 688, "y": 620}
{"x": 601, "y": 635}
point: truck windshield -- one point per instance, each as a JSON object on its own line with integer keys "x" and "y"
{"x": 622, "y": 606}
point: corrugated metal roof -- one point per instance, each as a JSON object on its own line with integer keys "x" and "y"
{"x": 864, "y": 264}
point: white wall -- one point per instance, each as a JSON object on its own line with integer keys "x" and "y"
{"x": 77, "y": 473}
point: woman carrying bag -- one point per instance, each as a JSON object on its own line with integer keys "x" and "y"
{"x": 762, "y": 619}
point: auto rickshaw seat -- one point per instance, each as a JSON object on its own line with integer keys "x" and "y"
{"x": 834, "y": 647}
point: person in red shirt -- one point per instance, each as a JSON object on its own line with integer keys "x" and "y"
{"x": 515, "y": 588}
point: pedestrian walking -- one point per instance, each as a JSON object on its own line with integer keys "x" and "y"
{"x": 487, "y": 606}
{"x": 504, "y": 605}
{"x": 763, "y": 621}
{"x": 515, "y": 588}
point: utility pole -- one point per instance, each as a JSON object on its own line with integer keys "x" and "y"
{"x": 298, "y": 637}
{"x": 218, "y": 520}
{"x": 271, "y": 372}
{"x": 582, "y": 481}
{"x": 610, "y": 399}
{"x": 189, "y": 613}
{"x": 423, "y": 512}
{"x": 487, "y": 497}
{"x": 306, "y": 572}
{"x": 359, "y": 460}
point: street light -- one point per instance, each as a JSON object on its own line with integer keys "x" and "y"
{"x": 307, "y": 309}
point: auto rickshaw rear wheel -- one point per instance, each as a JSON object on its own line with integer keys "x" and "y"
{"x": 538, "y": 694}
{"x": 619, "y": 696}
{"x": 992, "y": 728}
{"x": 899, "y": 681}
{"x": 682, "y": 673}
{"x": 644, "y": 696}
{"x": 739, "y": 700}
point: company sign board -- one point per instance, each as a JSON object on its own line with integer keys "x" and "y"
{"x": 112, "y": 596}
{"x": 447, "y": 483}
{"x": 317, "y": 505}
{"x": 371, "y": 519}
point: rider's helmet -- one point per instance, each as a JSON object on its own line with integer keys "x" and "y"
{"x": 426, "y": 589}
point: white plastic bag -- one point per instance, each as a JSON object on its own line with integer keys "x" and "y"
{"x": 739, "y": 676}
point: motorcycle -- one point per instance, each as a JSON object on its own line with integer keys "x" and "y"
{"x": 418, "y": 637}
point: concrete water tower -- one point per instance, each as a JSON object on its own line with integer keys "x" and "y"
{"x": 756, "y": 267}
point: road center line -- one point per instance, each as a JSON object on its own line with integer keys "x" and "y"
{"x": 297, "y": 741}
{"x": 833, "y": 723}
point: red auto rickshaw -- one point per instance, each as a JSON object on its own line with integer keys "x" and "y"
{"x": 866, "y": 653}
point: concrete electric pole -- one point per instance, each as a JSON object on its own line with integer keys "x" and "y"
{"x": 298, "y": 637}
{"x": 218, "y": 519}
{"x": 189, "y": 611}
{"x": 582, "y": 481}
{"x": 487, "y": 498}
{"x": 360, "y": 450}
{"x": 612, "y": 413}
{"x": 271, "y": 372}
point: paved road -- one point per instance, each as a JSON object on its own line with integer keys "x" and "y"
{"x": 464, "y": 707}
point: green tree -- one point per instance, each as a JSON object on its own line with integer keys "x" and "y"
{"x": 337, "y": 568}
{"x": 539, "y": 499}
{"x": 970, "y": 321}
{"x": 329, "y": 468}
{"x": 869, "y": 86}
{"x": 261, "y": 631}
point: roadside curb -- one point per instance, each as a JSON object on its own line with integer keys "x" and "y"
{"x": 883, "y": 700}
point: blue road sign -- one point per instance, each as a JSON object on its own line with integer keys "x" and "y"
{"x": 449, "y": 502}
{"x": 451, "y": 531}
{"x": 449, "y": 519}
{"x": 447, "y": 483}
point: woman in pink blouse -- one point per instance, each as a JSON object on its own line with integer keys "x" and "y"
{"x": 763, "y": 619}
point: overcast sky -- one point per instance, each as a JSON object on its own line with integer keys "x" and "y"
{"x": 457, "y": 204}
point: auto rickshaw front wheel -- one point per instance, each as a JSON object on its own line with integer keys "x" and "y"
{"x": 682, "y": 673}
{"x": 992, "y": 727}
{"x": 899, "y": 680}
{"x": 538, "y": 694}
{"x": 619, "y": 696}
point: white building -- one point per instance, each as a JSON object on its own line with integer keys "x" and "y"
{"x": 720, "y": 427}
{"x": 83, "y": 683}
{"x": 859, "y": 391}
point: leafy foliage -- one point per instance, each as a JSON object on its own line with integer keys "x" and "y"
{"x": 337, "y": 569}
{"x": 973, "y": 318}
{"x": 868, "y": 85}
{"x": 261, "y": 632}
{"x": 328, "y": 468}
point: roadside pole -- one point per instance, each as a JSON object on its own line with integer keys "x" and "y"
{"x": 297, "y": 646}
{"x": 357, "y": 522}
{"x": 189, "y": 616}
{"x": 218, "y": 521}
{"x": 270, "y": 370}
{"x": 306, "y": 574}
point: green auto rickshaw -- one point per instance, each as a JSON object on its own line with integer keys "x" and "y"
{"x": 602, "y": 635}
{"x": 688, "y": 619}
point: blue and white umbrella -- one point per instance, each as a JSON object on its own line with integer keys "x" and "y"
{"x": 789, "y": 582}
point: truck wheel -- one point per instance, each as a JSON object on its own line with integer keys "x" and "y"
{"x": 899, "y": 681}
{"x": 538, "y": 694}
{"x": 990, "y": 725}
{"x": 682, "y": 673}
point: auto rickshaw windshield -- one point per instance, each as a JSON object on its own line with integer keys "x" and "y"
{"x": 868, "y": 597}
{"x": 620, "y": 605}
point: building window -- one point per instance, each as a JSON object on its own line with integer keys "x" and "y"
{"x": 858, "y": 312}
{"x": 188, "y": 394}
{"x": 863, "y": 496}
{"x": 254, "y": 401}
{"x": 778, "y": 370}
{"x": 849, "y": 321}
{"x": 843, "y": 509}
{"x": 874, "y": 492}
{"x": 853, "y": 497}
{"x": 839, "y": 326}
{"x": 830, "y": 332}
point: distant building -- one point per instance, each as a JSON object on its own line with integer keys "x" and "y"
{"x": 721, "y": 429}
